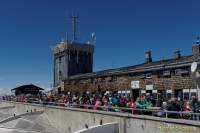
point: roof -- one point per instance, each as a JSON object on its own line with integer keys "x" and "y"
{"x": 73, "y": 46}
{"x": 27, "y": 87}
{"x": 144, "y": 67}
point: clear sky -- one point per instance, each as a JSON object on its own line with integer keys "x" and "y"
{"x": 125, "y": 29}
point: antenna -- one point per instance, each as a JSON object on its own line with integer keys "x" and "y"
{"x": 93, "y": 38}
{"x": 74, "y": 19}
{"x": 198, "y": 40}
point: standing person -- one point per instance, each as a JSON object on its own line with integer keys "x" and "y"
{"x": 92, "y": 99}
{"x": 149, "y": 97}
{"x": 186, "y": 108}
{"x": 115, "y": 100}
{"x": 195, "y": 106}
{"x": 105, "y": 102}
{"x": 162, "y": 109}
{"x": 124, "y": 100}
{"x": 173, "y": 106}
{"x": 97, "y": 104}
{"x": 139, "y": 103}
{"x": 131, "y": 104}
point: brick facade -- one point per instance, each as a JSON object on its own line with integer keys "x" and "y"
{"x": 123, "y": 82}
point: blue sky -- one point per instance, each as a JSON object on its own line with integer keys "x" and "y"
{"x": 124, "y": 29}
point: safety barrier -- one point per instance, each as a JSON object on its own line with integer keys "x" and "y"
{"x": 153, "y": 111}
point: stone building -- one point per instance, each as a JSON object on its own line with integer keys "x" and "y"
{"x": 71, "y": 58}
{"x": 163, "y": 78}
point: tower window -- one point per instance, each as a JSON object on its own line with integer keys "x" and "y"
{"x": 60, "y": 75}
{"x": 60, "y": 59}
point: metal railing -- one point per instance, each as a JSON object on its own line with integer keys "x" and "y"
{"x": 153, "y": 111}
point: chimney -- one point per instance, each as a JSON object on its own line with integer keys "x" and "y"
{"x": 148, "y": 57}
{"x": 177, "y": 54}
{"x": 196, "y": 47}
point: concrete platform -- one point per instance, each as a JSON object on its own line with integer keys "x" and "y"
{"x": 25, "y": 123}
{"x": 56, "y": 119}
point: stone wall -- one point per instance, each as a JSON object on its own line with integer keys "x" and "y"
{"x": 123, "y": 82}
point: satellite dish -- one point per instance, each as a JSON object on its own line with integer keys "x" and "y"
{"x": 194, "y": 67}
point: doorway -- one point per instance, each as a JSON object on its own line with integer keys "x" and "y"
{"x": 59, "y": 90}
{"x": 149, "y": 91}
{"x": 179, "y": 94}
{"x": 135, "y": 94}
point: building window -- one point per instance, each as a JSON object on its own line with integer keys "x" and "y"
{"x": 165, "y": 73}
{"x": 181, "y": 72}
{"x": 60, "y": 75}
{"x": 60, "y": 60}
{"x": 149, "y": 75}
{"x": 114, "y": 78}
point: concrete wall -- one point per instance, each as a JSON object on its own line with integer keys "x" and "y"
{"x": 70, "y": 120}
{"x": 106, "y": 128}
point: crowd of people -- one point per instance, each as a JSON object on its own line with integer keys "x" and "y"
{"x": 117, "y": 103}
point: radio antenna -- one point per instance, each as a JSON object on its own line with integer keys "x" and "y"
{"x": 74, "y": 18}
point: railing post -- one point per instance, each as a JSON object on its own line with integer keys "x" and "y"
{"x": 166, "y": 115}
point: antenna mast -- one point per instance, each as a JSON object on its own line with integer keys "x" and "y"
{"x": 198, "y": 40}
{"x": 74, "y": 19}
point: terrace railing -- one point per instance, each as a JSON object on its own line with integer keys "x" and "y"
{"x": 153, "y": 111}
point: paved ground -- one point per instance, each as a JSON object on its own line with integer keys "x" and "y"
{"x": 36, "y": 123}
{"x": 4, "y": 114}
{"x": 4, "y": 130}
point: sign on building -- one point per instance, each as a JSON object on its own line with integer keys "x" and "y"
{"x": 155, "y": 91}
{"x": 128, "y": 92}
{"x": 169, "y": 91}
{"x": 149, "y": 87}
{"x": 135, "y": 84}
{"x": 186, "y": 90}
{"x": 143, "y": 91}
{"x": 119, "y": 92}
{"x": 193, "y": 90}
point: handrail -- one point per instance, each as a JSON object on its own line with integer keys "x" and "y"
{"x": 120, "y": 109}
{"x": 146, "y": 111}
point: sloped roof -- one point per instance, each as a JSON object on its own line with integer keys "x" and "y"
{"x": 27, "y": 87}
{"x": 155, "y": 65}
